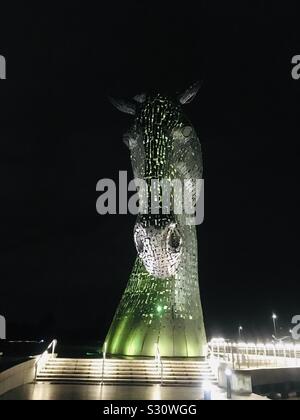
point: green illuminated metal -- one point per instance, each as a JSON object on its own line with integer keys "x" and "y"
{"x": 157, "y": 308}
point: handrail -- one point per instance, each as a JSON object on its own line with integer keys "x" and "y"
{"x": 159, "y": 362}
{"x": 42, "y": 359}
{"x": 103, "y": 361}
{"x": 255, "y": 354}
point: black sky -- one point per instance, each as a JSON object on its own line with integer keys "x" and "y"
{"x": 63, "y": 268}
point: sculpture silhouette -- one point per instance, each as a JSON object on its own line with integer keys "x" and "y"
{"x": 161, "y": 304}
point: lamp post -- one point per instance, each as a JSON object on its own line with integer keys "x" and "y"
{"x": 207, "y": 390}
{"x": 274, "y": 318}
{"x": 228, "y": 373}
{"x": 240, "y": 332}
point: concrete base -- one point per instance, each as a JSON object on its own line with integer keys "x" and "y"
{"x": 16, "y": 376}
{"x": 241, "y": 381}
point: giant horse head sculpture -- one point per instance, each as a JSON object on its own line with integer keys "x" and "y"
{"x": 163, "y": 146}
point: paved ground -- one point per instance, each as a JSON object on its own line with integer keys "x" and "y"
{"x": 48, "y": 391}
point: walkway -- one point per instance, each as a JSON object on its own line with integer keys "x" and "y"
{"x": 47, "y": 391}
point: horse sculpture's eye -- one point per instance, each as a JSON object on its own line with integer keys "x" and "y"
{"x": 187, "y": 131}
{"x": 139, "y": 245}
{"x": 130, "y": 140}
{"x": 183, "y": 134}
{"x": 174, "y": 240}
{"x": 126, "y": 140}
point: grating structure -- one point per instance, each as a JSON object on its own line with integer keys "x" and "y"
{"x": 161, "y": 304}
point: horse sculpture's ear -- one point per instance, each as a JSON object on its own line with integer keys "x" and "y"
{"x": 124, "y": 106}
{"x": 187, "y": 96}
{"x": 140, "y": 98}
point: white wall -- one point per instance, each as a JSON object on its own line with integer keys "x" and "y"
{"x": 241, "y": 382}
{"x": 16, "y": 376}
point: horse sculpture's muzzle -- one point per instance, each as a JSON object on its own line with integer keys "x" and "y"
{"x": 160, "y": 249}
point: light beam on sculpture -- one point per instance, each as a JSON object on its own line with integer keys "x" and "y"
{"x": 161, "y": 304}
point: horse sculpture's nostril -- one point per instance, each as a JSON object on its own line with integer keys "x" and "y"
{"x": 174, "y": 240}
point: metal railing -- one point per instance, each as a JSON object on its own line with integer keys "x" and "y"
{"x": 159, "y": 363}
{"x": 251, "y": 355}
{"x": 44, "y": 357}
{"x": 103, "y": 361}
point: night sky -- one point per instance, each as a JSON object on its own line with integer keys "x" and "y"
{"x": 63, "y": 268}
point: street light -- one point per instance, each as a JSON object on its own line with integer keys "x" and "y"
{"x": 240, "y": 332}
{"x": 207, "y": 388}
{"x": 228, "y": 374}
{"x": 274, "y": 317}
